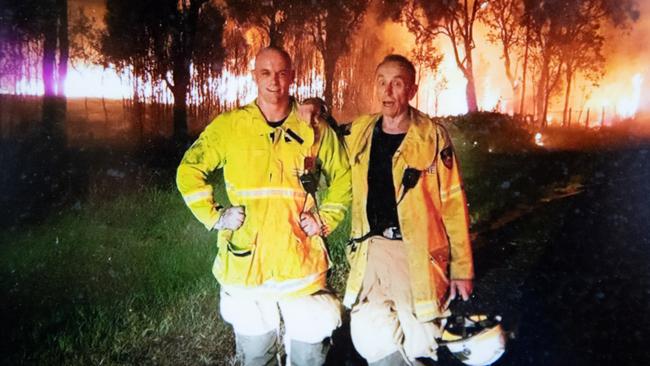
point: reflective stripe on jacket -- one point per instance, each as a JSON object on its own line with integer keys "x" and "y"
{"x": 433, "y": 215}
{"x": 269, "y": 256}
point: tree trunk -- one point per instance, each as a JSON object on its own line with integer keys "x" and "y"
{"x": 105, "y": 109}
{"x": 569, "y": 78}
{"x": 510, "y": 76}
{"x": 470, "y": 92}
{"x": 542, "y": 89}
{"x": 436, "y": 105}
{"x": 64, "y": 45}
{"x": 523, "y": 80}
{"x": 179, "y": 90}
{"x": 49, "y": 59}
{"x": 546, "y": 97}
{"x": 275, "y": 38}
{"x": 470, "y": 89}
{"x": 329, "y": 64}
{"x": 53, "y": 110}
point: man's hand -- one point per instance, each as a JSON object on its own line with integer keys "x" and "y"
{"x": 462, "y": 287}
{"x": 309, "y": 224}
{"x": 310, "y": 109}
{"x": 231, "y": 219}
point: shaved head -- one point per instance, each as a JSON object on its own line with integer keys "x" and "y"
{"x": 273, "y": 75}
{"x": 277, "y": 50}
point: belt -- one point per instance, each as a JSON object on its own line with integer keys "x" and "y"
{"x": 392, "y": 233}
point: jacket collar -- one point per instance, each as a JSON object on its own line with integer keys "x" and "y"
{"x": 419, "y": 146}
{"x": 292, "y": 121}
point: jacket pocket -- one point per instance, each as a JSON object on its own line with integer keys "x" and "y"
{"x": 238, "y": 251}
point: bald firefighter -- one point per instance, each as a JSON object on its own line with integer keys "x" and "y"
{"x": 272, "y": 261}
{"x": 410, "y": 249}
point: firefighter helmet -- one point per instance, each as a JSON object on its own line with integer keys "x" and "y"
{"x": 475, "y": 340}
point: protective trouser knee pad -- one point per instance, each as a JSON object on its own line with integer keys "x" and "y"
{"x": 309, "y": 354}
{"x": 258, "y": 350}
{"x": 375, "y": 331}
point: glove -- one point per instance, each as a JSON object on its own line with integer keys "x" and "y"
{"x": 231, "y": 218}
{"x": 310, "y": 224}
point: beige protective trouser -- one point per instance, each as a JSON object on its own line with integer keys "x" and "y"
{"x": 383, "y": 322}
{"x": 308, "y": 320}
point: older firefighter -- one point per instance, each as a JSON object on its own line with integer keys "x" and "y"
{"x": 272, "y": 261}
{"x": 410, "y": 248}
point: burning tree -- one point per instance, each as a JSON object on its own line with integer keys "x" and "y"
{"x": 278, "y": 23}
{"x": 453, "y": 19}
{"x": 331, "y": 26}
{"x": 273, "y": 17}
{"x": 164, "y": 41}
{"x": 568, "y": 36}
{"x": 427, "y": 58}
{"x": 505, "y": 21}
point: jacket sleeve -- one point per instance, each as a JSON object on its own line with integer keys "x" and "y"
{"x": 454, "y": 211}
{"x": 336, "y": 169}
{"x": 205, "y": 155}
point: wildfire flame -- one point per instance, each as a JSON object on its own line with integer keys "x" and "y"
{"x": 627, "y": 107}
{"x": 451, "y": 100}
{"x": 92, "y": 81}
{"x": 619, "y": 96}
{"x": 617, "y": 101}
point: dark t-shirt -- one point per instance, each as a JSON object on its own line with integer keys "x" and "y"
{"x": 279, "y": 123}
{"x": 381, "y": 206}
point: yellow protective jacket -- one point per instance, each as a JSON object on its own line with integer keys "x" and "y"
{"x": 269, "y": 256}
{"x": 433, "y": 215}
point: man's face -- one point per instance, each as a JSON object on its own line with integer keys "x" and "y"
{"x": 273, "y": 76}
{"x": 394, "y": 89}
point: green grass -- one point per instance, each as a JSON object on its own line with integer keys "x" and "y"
{"x": 112, "y": 282}
{"x": 119, "y": 281}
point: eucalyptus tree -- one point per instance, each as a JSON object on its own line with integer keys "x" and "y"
{"x": 164, "y": 40}
{"x": 568, "y": 37}
{"x": 504, "y": 19}
{"x": 453, "y": 19}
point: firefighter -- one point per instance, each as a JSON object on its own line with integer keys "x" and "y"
{"x": 272, "y": 261}
{"x": 410, "y": 250}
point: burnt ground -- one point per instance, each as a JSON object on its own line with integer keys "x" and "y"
{"x": 570, "y": 275}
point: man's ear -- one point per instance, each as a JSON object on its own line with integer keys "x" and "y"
{"x": 413, "y": 90}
